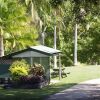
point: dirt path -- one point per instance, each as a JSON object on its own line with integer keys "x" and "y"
{"x": 89, "y": 90}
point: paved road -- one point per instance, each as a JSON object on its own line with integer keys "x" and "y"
{"x": 89, "y": 90}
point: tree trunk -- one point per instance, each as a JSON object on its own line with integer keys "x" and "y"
{"x": 32, "y": 10}
{"x": 55, "y": 57}
{"x": 43, "y": 35}
{"x": 55, "y": 39}
{"x": 75, "y": 45}
{"x": 1, "y": 46}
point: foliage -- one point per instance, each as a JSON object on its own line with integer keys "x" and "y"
{"x": 23, "y": 75}
{"x": 90, "y": 52}
{"x": 15, "y": 26}
{"x": 37, "y": 70}
{"x": 87, "y": 16}
{"x": 31, "y": 80}
{"x": 18, "y": 69}
{"x": 21, "y": 20}
{"x": 56, "y": 3}
{"x": 35, "y": 75}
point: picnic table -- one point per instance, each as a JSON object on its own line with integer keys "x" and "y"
{"x": 56, "y": 72}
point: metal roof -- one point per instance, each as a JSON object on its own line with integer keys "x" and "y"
{"x": 46, "y": 49}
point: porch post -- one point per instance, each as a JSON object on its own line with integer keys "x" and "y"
{"x": 31, "y": 61}
{"x": 59, "y": 67}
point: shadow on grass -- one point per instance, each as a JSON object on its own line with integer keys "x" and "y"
{"x": 32, "y": 94}
{"x": 78, "y": 92}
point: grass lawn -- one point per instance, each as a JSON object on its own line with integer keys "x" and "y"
{"x": 77, "y": 75}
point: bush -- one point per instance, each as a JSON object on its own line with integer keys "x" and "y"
{"x": 25, "y": 76}
{"x": 30, "y": 79}
{"x": 37, "y": 70}
{"x": 18, "y": 69}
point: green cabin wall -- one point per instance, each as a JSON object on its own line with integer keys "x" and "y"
{"x": 4, "y": 72}
{"x": 44, "y": 61}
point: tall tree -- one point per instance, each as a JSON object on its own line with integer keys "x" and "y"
{"x": 80, "y": 10}
{"x": 38, "y": 10}
{"x": 55, "y": 5}
{"x": 74, "y": 12}
{"x": 13, "y": 20}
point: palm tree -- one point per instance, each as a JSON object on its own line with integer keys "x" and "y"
{"x": 56, "y": 4}
{"x": 40, "y": 11}
{"x": 33, "y": 8}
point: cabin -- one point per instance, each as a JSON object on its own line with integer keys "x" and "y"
{"x": 33, "y": 54}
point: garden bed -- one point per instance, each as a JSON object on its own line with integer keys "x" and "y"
{"x": 34, "y": 86}
{"x": 26, "y": 86}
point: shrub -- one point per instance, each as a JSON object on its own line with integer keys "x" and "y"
{"x": 37, "y": 70}
{"x": 18, "y": 69}
{"x": 31, "y": 79}
{"x": 23, "y": 75}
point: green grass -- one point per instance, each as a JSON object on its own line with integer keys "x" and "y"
{"x": 77, "y": 75}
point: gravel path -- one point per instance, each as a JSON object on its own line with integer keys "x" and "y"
{"x": 89, "y": 90}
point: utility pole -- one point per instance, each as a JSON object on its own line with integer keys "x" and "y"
{"x": 75, "y": 45}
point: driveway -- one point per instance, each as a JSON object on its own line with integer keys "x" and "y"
{"x": 88, "y": 90}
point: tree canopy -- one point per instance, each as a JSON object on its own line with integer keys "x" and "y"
{"x": 24, "y": 22}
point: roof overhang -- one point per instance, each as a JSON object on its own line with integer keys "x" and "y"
{"x": 34, "y": 51}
